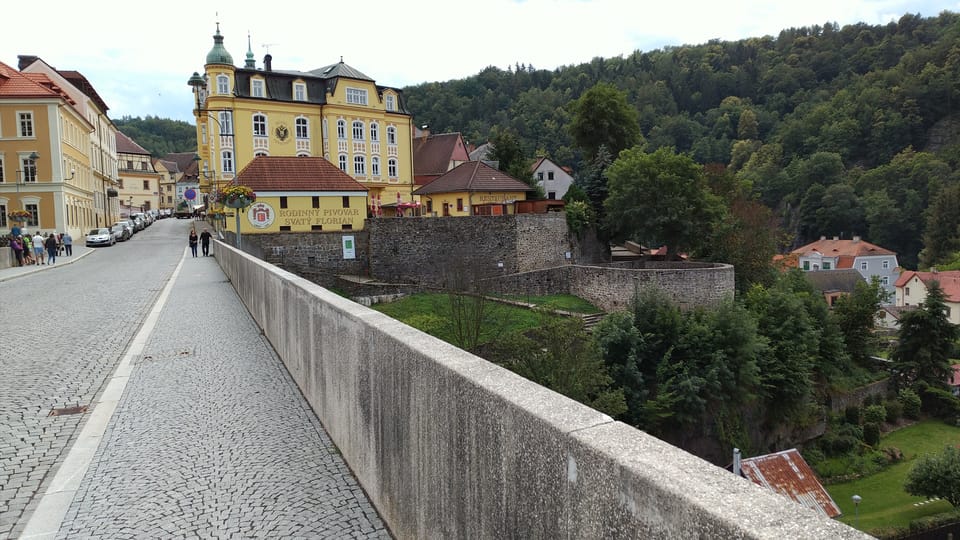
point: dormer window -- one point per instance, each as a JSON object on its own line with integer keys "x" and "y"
{"x": 223, "y": 84}
{"x": 356, "y": 96}
{"x": 256, "y": 88}
{"x": 391, "y": 102}
{"x": 299, "y": 92}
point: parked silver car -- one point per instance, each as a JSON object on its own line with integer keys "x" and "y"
{"x": 100, "y": 237}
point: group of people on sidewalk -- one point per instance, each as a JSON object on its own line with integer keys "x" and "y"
{"x": 204, "y": 239}
{"x": 37, "y": 249}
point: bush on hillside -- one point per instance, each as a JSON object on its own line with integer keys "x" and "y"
{"x": 874, "y": 414}
{"x": 851, "y": 414}
{"x": 911, "y": 403}
{"x": 894, "y": 411}
{"x": 871, "y": 433}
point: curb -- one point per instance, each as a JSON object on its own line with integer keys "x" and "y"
{"x": 20, "y": 271}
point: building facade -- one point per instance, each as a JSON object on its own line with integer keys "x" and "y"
{"x": 870, "y": 260}
{"x": 335, "y": 112}
{"x": 470, "y": 189}
{"x": 554, "y": 179}
{"x": 57, "y": 149}
{"x": 911, "y": 290}
{"x": 139, "y": 180}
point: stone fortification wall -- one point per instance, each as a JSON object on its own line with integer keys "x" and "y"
{"x": 611, "y": 287}
{"x": 429, "y": 250}
{"x": 857, "y": 396}
{"x": 448, "y": 445}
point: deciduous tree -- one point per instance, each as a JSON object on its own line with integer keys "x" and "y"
{"x": 602, "y": 116}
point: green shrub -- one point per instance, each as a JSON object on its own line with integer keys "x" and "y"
{"x": 894, "y": 411}
{"x": 911, "y": 403}
{"x": 874, "y": 414}
{"x": 580, "y": 215}
{"x": 940, "y": 402}
{"x": 813, "y": 455}
{"x": 871, "y": 433}
{"x": 851, "y": 414}
{"x": 934, "y": 521}
{"x": 429, "y": 323}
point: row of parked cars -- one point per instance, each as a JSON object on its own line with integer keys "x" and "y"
{"x": 122, "y": 230}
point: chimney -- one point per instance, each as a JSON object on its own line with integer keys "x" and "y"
{"x": 835, "y": 238}
{"x": 856, "y": 239}
{"x": 25, "y": 60}
{"x": 823, "y": 238}
{"x": 736, "y": 462}
{"x": 268, "y": 62}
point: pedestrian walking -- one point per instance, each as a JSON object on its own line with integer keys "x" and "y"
{"x": 67, "y": 243}
{"x": 38, "y": 248}
{"x": 16, "y": 244}
{"x": 193, "y": 242}
{"x": 205, "y": 242}
{"x": 51, "y": 244}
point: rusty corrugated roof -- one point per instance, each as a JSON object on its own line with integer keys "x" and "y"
{"x": 787, "y": 473}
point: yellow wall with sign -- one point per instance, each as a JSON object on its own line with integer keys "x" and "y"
{"x": 267, "y": 216}
{"x": 483, "y": 197}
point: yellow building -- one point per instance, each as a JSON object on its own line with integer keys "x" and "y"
{"x": 335, "y": 112}
{"x": 470, "y": 189}
{"x": 139, "y": 180}
{"x": 57, "y": 149}
{"x": 299, "y": 195}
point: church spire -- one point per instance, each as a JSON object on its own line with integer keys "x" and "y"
{"x": 250, "y": 63}
{"x": 218, "y": 54}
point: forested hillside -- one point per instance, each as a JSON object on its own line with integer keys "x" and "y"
{"x": 160, "y": 136}
{"x": 840, "y": 130}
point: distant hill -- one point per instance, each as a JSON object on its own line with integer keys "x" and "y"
{"x": 160, "y": 136}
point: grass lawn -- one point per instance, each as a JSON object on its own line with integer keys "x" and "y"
{"x": 430, "y": 312}
{"x": 564, "y": 302}
{"x": 884, "y": 503}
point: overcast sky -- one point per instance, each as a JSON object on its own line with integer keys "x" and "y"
{"x": 139, "y": 56}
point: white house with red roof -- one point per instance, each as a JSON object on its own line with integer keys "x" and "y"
{"x": 834, "y": 254}
{"x": 911, "y": 290}
{"x": 556, "y": 180}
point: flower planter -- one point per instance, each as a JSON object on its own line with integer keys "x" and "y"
{"x": 238, "y": 202}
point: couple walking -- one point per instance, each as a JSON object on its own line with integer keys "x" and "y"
{"x": 204, "y": 239}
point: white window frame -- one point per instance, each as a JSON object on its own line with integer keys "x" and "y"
{"x": 357, "y": 130}
{"x": 343, "y": 162}
{"x": 392, "y": 168}
{"x": 3, "y": 214}
{"x": 342, "y": 129}
{"x": 299, "y": 91}
{"x": 25, "y": 126}
{"x": 391, "y": 102}
{"x": 356, "y": 96}
{"x": 391, "y": 135}
{"x": 375, "y": 166}
{"x": 301, "y": 128}
{"x": 259, "y": 125}
{"x": 223, "y": 84}
{"x": 359, "y": 165}
{"x": 886, "y": 265}
{"x": 226, "y": 122}
{"x": 28, "y": 169}
{"x": 226, "y": 161}
{"x": 374, "y": 132}
{"x": 257, "y": 88}
{"x": 863, "y": 265}
{"x": 3, "y": 174}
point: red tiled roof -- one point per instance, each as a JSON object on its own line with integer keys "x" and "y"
{"x": 19, "y": 85}
{"x": 473, "y": 176}
{"x": 282, "y": 173}
{"x": 126, "y": 145}
{"x": 949, "y": 282}
{"x": 787, "y": 473}
{"x": 845, "y": 261}
{"x": 835, "y": 248}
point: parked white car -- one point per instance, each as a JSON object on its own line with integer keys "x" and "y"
{"x": 100, "y": 237}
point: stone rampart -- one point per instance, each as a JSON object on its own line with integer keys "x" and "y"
{"x": 448, "y": 445}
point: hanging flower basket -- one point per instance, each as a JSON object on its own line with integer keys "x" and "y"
{"x": 19, "y": 215}
{"x": 216, "y": 215}
{"x": 235, "y": 196}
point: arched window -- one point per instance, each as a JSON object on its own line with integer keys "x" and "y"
{"x": 374, "y": 132}
{"x": 392, "y": 168}
{"x": 375, "y": 166}
{"x": 260, "y": 125}
{"x": 343, "y": 162}
{"x": 223, "y": 84}
{"x": 358, "y": 131}
{"x": 359, "y": 166}
{"x": 302, "y": 128}
{"x": 391, "y": 135}
{"x": 259, "y": 153}
{"x": 341, "y": 129}
{"x": 226, "y": 122}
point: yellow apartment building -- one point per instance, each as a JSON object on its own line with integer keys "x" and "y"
{"x": 335, "y": 112}
{"x": 139, "y": 180}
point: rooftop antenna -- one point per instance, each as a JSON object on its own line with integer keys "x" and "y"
{"x": 268, "y": 45}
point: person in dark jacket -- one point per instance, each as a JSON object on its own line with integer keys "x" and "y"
{"x": 193, "y": 242}
{"x": 52, "y": 245}
{"x": 205, "y": 242}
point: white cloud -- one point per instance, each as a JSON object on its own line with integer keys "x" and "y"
{"x": 140, "y": 63}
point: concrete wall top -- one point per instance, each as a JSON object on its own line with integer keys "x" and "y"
{"x": 448, "y": 445}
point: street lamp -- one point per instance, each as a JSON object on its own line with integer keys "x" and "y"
{"x": 856, "y": 510}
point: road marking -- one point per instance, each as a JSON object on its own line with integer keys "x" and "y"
{"x": 45, "y": 522}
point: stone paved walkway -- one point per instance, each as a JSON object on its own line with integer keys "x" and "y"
{"x": 210, "y": 439}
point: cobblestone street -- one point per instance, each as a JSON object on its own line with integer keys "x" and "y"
{"x": 210, "y": 438}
